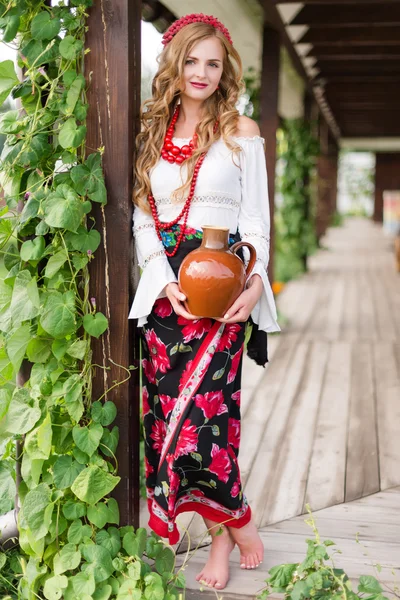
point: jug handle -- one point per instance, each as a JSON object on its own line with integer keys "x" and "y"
{"x": 253, "y": 254}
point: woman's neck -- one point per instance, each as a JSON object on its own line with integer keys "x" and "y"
{"x": 189, "y": 115}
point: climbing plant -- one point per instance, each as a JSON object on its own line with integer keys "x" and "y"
{"x": 295, "y": 217}
{"x": 70, "y": 542}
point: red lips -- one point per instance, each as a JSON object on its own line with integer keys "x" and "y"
{"x": 199, "y": 85}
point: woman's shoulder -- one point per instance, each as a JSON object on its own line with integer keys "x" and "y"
{"x": 247, "y": 128}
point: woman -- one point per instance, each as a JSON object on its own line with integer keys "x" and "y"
{"x": 199, "y": 163}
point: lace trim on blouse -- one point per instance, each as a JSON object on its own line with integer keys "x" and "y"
{"x": 138, "y": 228}
{"x": 212, "y": 199}
{"x": 256, "y": 234}
{"x": 152, "y": 257}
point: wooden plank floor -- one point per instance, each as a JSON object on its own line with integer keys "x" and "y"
{"x": 374, "y": 519}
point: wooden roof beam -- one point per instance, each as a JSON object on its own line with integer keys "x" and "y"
{"x": 341, "y": 2}
{"x": 356, "y": 36}
{"x": 348, "y": 15}
{"x": 349, "y": 51}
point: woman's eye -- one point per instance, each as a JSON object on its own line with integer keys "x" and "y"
{"x": 189, "y": 61}
{"x": 213, "y": 65}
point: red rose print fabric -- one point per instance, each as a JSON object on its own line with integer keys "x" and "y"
{"x": 191, "y": 372}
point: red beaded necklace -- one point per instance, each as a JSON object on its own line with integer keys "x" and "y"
{"x": 178, "y": 155}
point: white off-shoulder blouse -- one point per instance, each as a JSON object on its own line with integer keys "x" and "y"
{"x": 231, "y": 191}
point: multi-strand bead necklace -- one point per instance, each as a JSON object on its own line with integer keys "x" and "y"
{"x": 173, "y": 154}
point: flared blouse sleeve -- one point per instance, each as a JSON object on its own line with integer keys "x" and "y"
{"x": 254, "y": 224}
{"x": 156, "y": 270}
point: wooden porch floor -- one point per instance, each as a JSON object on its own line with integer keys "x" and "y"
{"x": 320, "y": 424}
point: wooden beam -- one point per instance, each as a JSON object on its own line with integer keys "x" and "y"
{"x": 356, "y": 36}
{"x": 387, "y": 177}
{"x": 357, "y": 67}
{"x": 114, "y": 64}
{"x": 355, "y": 52}
{"x": 339, "y": 2}
{"x": 348, "y": 15}
{"x": 269, "y": 119}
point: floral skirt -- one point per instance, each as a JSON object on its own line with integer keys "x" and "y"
{"x": 191, "y": 373}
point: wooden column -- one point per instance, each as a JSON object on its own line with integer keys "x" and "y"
{"x": 327, "y": 166}
{"x": 114, "y": 97}
{"x": 307, "y": 206}
{"x": 269, "y": 118}
{"x": 387, "y": 177}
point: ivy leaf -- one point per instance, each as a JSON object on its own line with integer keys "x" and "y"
{"x": 369, "y": 585}
{"x": 73, "y": 510}
{"x": 30, "y": 210}
{"x": 8, "y": 79}
{"x": 37, "y": 510}
{"x": 59, "y": 348}
{"x": 67, "y": 559}
{"x": 78, "y": 349}
{"x": 65, "y": 471}
{"x": 87, "y": 438}
{"x": 58, "y": 317}
{"x": 43, "y": 27}
{"x": 38, "y": 350}
{"x": 73, "y": 397}
{"x": 98, "y": 514}
{"x": 69, "y": 47}
{"x": 134, "y": 543}
{"x": 93, "y": 483}
{"x": 33, "y": 249}
{"x": 83, "y": 583}
{"x": 22, "y": 308}
{"x": 84, "y": 240}
{"x": 165, "y": 561}
{"x": 96, "y": 324}
{"x": 71, "y": 135}
{"x": 55, "y": 263}
{"x": 54, "y": 586}
{"x": 99, "y": 561}
{"x": 109, "y": 441}
{"x": 113, "y": 511}
{"x": 13, "y": 23}
{"x": 77, "y": 531}
{"x": 104, "y": 413}
{"x": 63, "y": 208}
{"x": 89, "y": 179}
{"x": 38, "y": 442}
{"x": 21, "y": 417}
{"x": 74, "y": 92}
{"x": 154, "y": 587}
{"x": 129, "y": 591}
{"x": 110, "y": 540}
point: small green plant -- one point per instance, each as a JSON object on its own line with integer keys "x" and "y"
{"x": 317, "y": 577}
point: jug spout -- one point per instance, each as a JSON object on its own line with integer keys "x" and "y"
{"x": 215, "y": 238}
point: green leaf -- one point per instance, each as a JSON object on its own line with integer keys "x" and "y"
{"x": 10, "y": 123}
{"x": 54, "y": 586}
{"x": 110, "y": 540}
{"x": 67, "y": 559}
{"x": 83, "y": 583}
{"x": 73, "y": 510}
{"x": 109, "y": 441}
{"x": 65, "y": 471}
{"x": 16, "y": 345}
{"x": 113, "y": 511}
{"x": 300, "y": 590}
{"x": 102, "y": 593}
{"x": 71, "y": 135}
{"x": 77, "y": 532}
{"x": 98, "y": 514}
{"x": 59, "y": 348}
{"x": 93, "y": 483}
{"x": 55, "y": 263}
{"x": 153, "y": 547}
{"x": 78, "y": 349}
{"x": 96, "y": 324}
{"x": 63, "y": 208}
{"x": 11, "y": 30}
{"x": 183, "y": 348}
{"x": 369, "y": 585}
{"x": 30, "y": 211}
{"x": 73, "y": 397}
{"x": 74, "y": 92}
{"x": 21, "y": 417}
{"x": 83, "y": 240}
{"x": 129, "y": 591}
{"x": 8, "y": 79}
{"x": 58, "y": 317}
{"x": 89, "y": 179}
{"x": 135, "y": 543}
{"x": 218, "y": 374}
{"x": 38, "y": 442}
{"x": 37, "y": 509}
{"x": 43, "y": 27}
{"x": 104, "y": 413}
{"x": 69, "y": 47}
{"x": 38, "y": 350}
{"x": 7, "y": 491}
{"x": 154, "y": 587}
{"x": 22, "y": 307}
{"x": 165, "y": 561}
{"x": 99, "y": 561}
{"x": 87, "y": 438}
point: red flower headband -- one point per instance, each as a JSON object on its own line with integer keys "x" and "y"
{"x": 194, "y": 18}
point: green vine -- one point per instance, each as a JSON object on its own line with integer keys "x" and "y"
{"x": 295, "y": 218}
{"x": 70, "y": 542}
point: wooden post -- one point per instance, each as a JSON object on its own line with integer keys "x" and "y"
{"x": 269, "y": 118}
{"x": 333, "y": 168}
{"x": 323, "y": 200}
{"x": 113, "y": 66}
{"x": 306, "y": 183}
{"x": 387, "y": 177}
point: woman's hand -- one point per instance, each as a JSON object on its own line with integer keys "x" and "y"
{"x": 242, "y": 307}
{"x": 176, "y": 297}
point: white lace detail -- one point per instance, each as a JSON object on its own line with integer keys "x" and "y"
{"x": 243, "y": 138}
{"x": 138, "y": 228}
{"x": 151, "y": 257}
{"x": 213, "y": 199}
{"x": 258, "y": 235}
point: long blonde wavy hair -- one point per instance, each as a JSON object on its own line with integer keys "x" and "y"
{"x": 156, "y": 113}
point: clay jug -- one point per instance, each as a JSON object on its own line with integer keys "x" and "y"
{"x": 213, "y": 276}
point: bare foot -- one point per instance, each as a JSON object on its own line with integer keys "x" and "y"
{"x": 250, "y": 545}
{"x": 216, "y": 571}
